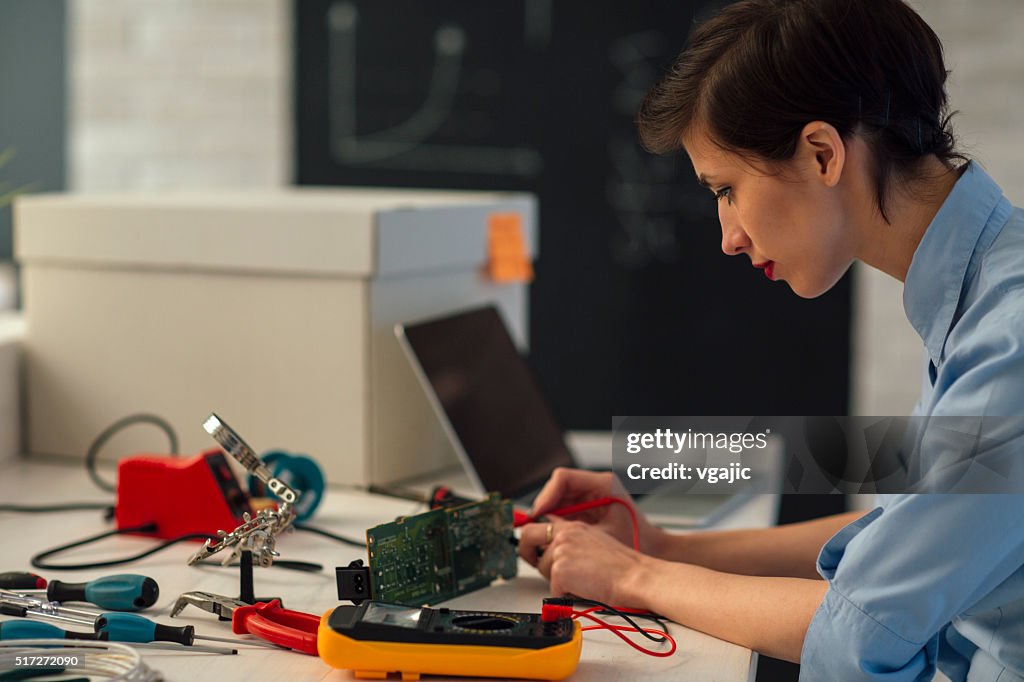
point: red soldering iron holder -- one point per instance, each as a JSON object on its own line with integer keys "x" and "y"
{"x": 181, "y": 496}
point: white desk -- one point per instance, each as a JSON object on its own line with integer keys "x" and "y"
{"x": 347, "y": 512}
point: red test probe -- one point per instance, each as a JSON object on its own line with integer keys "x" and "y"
{"x": 521, "y": 518}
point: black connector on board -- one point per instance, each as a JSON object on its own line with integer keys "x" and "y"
{"x": 353, "y": 582}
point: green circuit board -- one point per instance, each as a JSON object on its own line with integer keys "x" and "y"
{"x": 430, "y": 557}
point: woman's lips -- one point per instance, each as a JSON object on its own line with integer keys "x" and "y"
{"x": 769, "y": 268}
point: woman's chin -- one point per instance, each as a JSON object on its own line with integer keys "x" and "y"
{"x": 808, "y": 290}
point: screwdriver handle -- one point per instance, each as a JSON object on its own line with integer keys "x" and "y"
{"x": 31, "y": 629}
{"x": 126, "y": 592}
{"x": 21, "y": 580}
{"x": 128, "y": 627}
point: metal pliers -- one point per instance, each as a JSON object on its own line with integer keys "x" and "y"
{"x": 267, "y": 620}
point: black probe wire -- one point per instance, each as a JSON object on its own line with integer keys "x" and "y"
{"x": 90, "y": 467}
{"x": 301, "y": 566}
{"x": 73, "y": 506}
{"x": 327, "y": 534}
{"x": 38, "y": 561}
{"x": 112, "y": 430}
{"x": 626, "y": 617}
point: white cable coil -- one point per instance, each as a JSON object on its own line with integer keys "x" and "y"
{"x": 110, "y": 659}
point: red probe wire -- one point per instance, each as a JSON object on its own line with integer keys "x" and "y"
{"x": 552, "y": 612}
{"x": 523, "y": 519}
{"x": 619, "y": 630}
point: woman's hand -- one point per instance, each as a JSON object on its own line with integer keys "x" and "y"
{"x": 583, "y": 560}
{"x": 767, "y": 614}
{"x": 572, "y": 486}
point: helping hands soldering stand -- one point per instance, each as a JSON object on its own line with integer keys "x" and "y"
{"x": 258, "y": 534}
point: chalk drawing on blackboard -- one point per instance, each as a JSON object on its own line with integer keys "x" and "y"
{"x": 642, "y": 189}
{"x": 537, "y": 24}
{"x": 405, "y": 145}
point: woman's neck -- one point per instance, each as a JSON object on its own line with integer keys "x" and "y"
{"x": 890, "y": 246}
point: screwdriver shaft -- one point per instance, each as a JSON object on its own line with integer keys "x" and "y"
{"x": 57, "y": 618}
{"x": 245, "y": 642}
{"x": 43, "y": 605}
{"x": 192, "y": 649}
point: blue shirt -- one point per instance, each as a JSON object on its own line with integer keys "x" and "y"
{"x": 930, "y": 580}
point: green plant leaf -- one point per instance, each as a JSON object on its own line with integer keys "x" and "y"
{"x": 8, "y": 195}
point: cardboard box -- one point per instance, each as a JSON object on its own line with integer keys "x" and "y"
{"x": 275, "y": 310}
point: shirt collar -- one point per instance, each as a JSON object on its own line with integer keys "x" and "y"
{"x": 935, "y": 280}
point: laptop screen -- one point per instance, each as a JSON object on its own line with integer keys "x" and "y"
{"x": 491, "y": 398}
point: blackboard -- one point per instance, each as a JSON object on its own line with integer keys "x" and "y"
{"x": 635, "y": 310}
{"x": 33, "y": 116}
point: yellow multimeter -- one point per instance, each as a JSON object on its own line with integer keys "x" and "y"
{"x": 377, "y": 638}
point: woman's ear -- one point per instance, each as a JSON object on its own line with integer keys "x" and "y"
{"x": 823, "y": 149}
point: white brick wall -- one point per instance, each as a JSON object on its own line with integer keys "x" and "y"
{"x": 179, "y": 93}
{"x": 985, "y": 52}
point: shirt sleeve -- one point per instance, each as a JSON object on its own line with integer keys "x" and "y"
{"x": 897, "y": 576}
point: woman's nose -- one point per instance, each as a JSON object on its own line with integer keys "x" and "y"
{"x": 734, "y": 239}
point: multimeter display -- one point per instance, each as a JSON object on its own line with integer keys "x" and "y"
{"x": 375, "y": 638}
{"x": 379, "y": 613}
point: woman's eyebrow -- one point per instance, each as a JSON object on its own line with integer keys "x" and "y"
{"x": 704, "y": 181}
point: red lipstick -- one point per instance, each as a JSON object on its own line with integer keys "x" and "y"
{"x": 769, "y": 268}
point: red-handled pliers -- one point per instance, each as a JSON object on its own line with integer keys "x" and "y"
{"x": 266, "y": 620}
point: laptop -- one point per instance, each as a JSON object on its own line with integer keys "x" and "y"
{"x": 500, "y": 423}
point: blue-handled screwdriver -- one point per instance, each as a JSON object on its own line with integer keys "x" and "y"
{"x": 130, "y": 627}
{"x": 30, "y": 629}
{"x": 126, "y": 592}
{"x": 26, "y": 629}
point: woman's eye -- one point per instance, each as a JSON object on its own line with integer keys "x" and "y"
{"x": 724, "y": 193}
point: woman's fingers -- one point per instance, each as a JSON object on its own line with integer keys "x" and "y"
{"x": 584, "y": 560}
{"x": 567, "y": 486}
{"x": 532, "y": 537}
{"x": 553, "y": 536}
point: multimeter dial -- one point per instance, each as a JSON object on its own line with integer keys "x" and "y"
{"x": 484, "y": 622}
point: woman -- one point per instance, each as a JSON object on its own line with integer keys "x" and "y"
{"x": 821, "y": 127}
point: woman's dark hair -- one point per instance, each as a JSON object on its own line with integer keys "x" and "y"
{"x": 757, "y": 72}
